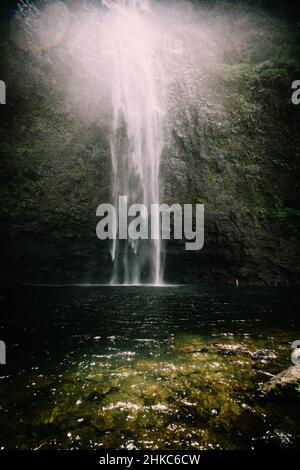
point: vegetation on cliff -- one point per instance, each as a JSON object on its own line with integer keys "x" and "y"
{"x": 233, "y": 144}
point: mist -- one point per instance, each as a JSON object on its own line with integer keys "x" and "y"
{"x": 75, "y": 40}
{"x": 133, "y": 67}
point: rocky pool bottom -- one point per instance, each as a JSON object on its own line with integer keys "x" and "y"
{"x": 147, "y": 368}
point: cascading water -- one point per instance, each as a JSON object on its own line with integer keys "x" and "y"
{"x": 137, "y": 134}
{"x": 121, "y": 62}
{"x": 111, "y": 49}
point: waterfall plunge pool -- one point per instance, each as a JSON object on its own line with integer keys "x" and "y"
{"x": 145, "y": 367}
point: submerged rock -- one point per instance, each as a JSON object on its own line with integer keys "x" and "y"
{"x": 189, "y": 347}
{"x": 95, "y": 396}
{"x": 229, "y": 348}
{"x": 262, "y": 355}
{"x": 235, "y": 349}
{"x": 98, "y": 395}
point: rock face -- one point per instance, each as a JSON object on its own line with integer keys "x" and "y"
{"x": 283, "y": 380}
{"x": 228, "y": 150}
{"x": 232, "y": 144}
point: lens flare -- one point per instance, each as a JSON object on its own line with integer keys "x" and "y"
{"x": 38, "y": 27}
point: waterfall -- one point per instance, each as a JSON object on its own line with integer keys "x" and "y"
{"x": 137, "y": 133}
{"x": 109, "y": 55}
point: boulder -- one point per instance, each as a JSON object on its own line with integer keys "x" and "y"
{"x": 284, "y": 379}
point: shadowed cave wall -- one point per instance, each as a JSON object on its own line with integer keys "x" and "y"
{"x": 232, "y": 144}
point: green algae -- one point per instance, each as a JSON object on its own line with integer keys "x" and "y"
{"x": 196, "y": 394}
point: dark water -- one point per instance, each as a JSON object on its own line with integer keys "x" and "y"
{"x": 147, "y": 368}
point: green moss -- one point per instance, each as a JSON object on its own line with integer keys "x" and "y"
{"x": 285, "y": 212}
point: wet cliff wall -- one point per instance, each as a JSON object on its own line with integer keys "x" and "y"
{"x": 232, "y": 144}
